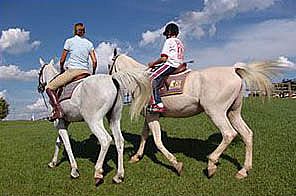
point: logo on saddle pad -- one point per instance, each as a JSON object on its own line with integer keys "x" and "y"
{"x": 174, "y": 84}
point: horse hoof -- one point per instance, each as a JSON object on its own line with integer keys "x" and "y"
{"x": 211, "y": 171}
{"x": 118, "y": 179}
{"x": 98, "y": 181}
{"x": 134, "y": 159}
{"x": 241, "y": 174}
{"x": 74, "y": 173}
{"x": 179, "y": 168}
{"x": 52, "y": 164}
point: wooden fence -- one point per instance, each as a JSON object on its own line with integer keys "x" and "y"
{"x": 284, "y": 89}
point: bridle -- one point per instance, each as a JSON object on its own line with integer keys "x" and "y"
{"x": 113, "y": 67}
{"x": 42, "y": 84}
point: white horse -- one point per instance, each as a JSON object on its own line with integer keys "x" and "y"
{"x": 95, "y": 97}
{"x": 218, "y": 92}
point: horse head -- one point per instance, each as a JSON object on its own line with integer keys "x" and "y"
{"x": 47, "y": 73}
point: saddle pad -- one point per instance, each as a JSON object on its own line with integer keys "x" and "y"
{"x": 174, "y": 84}
{"x": 68, "y": 90}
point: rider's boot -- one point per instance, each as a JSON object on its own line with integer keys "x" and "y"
{"x": 159, "y": 108}
{"x": 57, "y": 110}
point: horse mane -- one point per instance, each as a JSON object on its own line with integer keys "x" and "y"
{"x": 126, "y": 61}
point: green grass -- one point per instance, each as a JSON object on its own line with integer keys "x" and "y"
{"x": 27, "y": 147}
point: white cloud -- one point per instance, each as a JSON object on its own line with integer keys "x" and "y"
{"x": 13, "y": 72}
{"x": 104, "y": 52}
{"x": 3, "y": 93}
{"x": 200, "y": 23}
{"x": 266, "y": 40}
{"x": 285, "y": 62}
{"x": 37, "y": 106}
{"x": 150, "y": 36}
{"x": 16, "y": 41}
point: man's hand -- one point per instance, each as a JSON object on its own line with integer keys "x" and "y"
{"x": 151, "y": 65}
{"x": 158, "y": 61}
{"x": 62, "y": 60}
{"x": 94, "y": 61}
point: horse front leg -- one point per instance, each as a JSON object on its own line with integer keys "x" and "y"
{"x": 139, "y": 154}
{"x": 156, "y": 131}
{"x": 65, "y": 137}
{"x": 53, "y": 162}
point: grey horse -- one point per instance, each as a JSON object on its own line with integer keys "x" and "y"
{"x": 94, "y": 98}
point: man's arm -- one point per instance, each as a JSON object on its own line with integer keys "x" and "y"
{"x": 62, "y": 60}
{"x": 94, "y": 61}
{"x": 162, "y": 59}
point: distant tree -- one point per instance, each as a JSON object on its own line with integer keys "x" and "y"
{"x": 3, "y": 108}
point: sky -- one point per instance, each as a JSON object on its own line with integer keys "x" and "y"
{"x": 214, "y": 32}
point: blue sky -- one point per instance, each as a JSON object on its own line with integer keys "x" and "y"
{"x": 215, "y": 32}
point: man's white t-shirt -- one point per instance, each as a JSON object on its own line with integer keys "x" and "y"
{"x": 79, "y": 49}
{"x": 173, "y": 49}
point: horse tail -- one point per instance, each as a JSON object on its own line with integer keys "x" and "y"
{"x": 139, "y": 85}
{"x": 258, "y": 76}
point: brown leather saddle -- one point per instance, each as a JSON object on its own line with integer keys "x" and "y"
{"x": 66, "y": 91}
{"x": 174, "y": 83}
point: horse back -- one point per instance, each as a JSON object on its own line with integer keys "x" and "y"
{"x": 95, "y": 95}
{"x": 219, "y": 86}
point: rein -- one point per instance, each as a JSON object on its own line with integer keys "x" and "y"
{"x": 113, "y": 65}
{"x": 41, "y": 85}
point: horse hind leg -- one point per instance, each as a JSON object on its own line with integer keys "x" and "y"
{"x": 247, "y": 136}
{"x": 97, "y": 127}
{"x": 228, "y": 133}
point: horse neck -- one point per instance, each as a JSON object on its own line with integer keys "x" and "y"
{"x": 50, "y": 72}
{"x": 127, "y": 63}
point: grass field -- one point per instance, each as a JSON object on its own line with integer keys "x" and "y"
{"x": 27, "y": 147}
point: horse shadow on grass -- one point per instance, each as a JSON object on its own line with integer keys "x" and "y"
{"x": 193, "y": 148}
{"x": 90, "y": 149}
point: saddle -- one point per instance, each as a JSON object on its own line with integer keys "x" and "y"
{"x": 66, "y": 91}
{"x": 174, "y": 83}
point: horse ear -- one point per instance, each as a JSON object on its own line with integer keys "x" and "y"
{"x": 115, "y": 52}
{"x": 41, "y": 61}
{"x": 51, "y": 62}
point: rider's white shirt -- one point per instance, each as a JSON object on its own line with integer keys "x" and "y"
{"x": 174, "y": 49}
{"x": 79, "y": 49}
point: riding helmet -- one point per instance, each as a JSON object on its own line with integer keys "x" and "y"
{"x": 171, "y": 29}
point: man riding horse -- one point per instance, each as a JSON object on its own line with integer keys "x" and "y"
{"x": 79, "y": 49}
